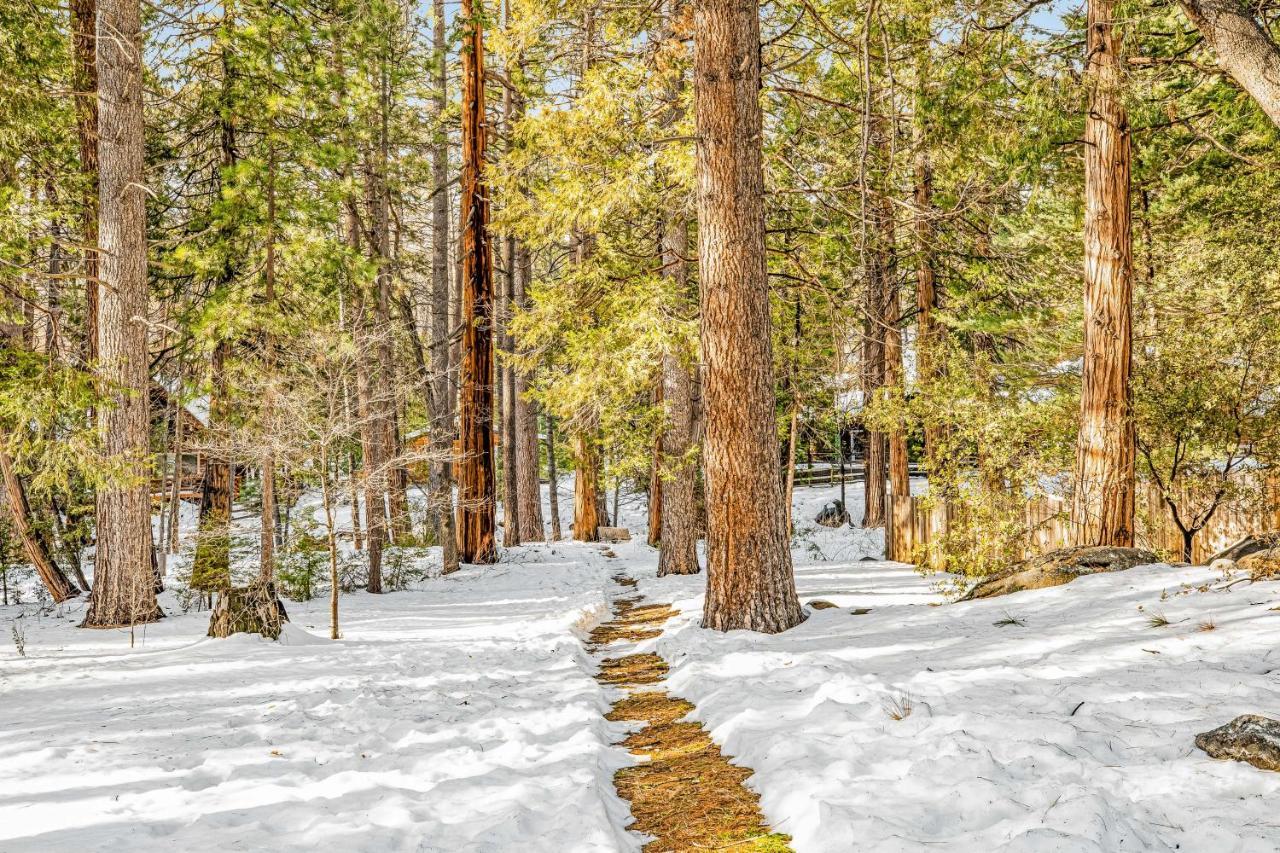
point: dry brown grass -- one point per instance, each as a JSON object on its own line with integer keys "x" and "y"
{"x": 623, "y": 580}
{"x": 632, "y": 669}
{"x": 632, "y": 623}
{"x": 687, "y": 795}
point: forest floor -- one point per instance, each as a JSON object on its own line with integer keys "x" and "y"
{"x": 464, "y": 714}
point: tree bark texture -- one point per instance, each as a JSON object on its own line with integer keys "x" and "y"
{"x": 84, "y": 15}
{"x": 476, "y": 509}
{"x": 528, "y": 487}
{"x": 1103, "y": 502}
{"x": 123, "y": 582}
{"x": 1244, "y": 47}
{"x": 586, "y": 489}
{"x": 749, "y": 575}
{"x": 680, "y": 528}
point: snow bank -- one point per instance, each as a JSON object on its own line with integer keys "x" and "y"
{"x": 459, "y": 716}
{"x": 1052, "y": 720}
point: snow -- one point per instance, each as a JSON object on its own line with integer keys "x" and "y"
{"x": 458, "y": 716}
{"x": 462, "y": 715}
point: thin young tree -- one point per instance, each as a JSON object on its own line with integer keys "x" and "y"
{"x": 442, "y": 393}
{"x": 1103, "y": 502}
{"x": 476, "y": 498}
{"x": 124, "y": 585}
{"x": 749, "y": 576}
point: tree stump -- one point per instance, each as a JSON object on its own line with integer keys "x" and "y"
{"x": 254, "y": 609}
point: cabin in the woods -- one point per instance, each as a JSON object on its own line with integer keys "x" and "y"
{"x": 194, "y": 438}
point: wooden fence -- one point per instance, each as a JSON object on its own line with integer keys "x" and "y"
{"x": 1046, "y": 523}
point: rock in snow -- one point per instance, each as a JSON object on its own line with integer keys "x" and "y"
{"x": 1061, "y": 566}
{"x": 1242, "y": 548}
{"x": 833, "y": 514}
{"x": 1249, "y": 737}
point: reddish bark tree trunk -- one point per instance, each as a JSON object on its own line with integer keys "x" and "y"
{"x": 123, "y": 583}
{"x": 476, "y": 510}
{"x": 1103, "y": 503}
{"x": 749, "y": 577}
{"x": 586, "y": 490}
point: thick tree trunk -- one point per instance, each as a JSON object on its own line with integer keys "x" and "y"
{"x": 123, "y": 583}
{"x": 1103, "y": 503}
{"x": 750, "y": 583}
{"x": 442, "y": 389}
{"x": 553, "y": 500}
{"x": 476, "y": 499}
{"x": 586, "y": 489}
{"x": 1245, "y": 49}
{"x": 34, "y": 545}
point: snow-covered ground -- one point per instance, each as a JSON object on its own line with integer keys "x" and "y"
{"x": 462, "y": 715}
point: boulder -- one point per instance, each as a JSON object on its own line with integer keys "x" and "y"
{"x": 1246, "y": 546}
{"x": 1058, "y": 567}
{"x": 1261, "y": 565}
{"x": 613, "y": 534}
{"x": 832, "y": 514}
{"x": 1249, "y": 737}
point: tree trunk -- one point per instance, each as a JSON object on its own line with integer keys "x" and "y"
{"x": 267, "y": 516}
{"x": 929, "y": 338}
{"x": 175, "y": 494}
{"x": 528, "y": 489}
{"x": 901, "y": 525}
{"x": 586, "y": 489}
{"x": 655, "y": 477}
{"x": 749, "y": 577}
{"x": 877, "y": 259}
{"x": 553, "y": 500}
{"x": 34, "y": 544}
{"x": 510, "y": 484}
{"x": 123, "y": 582}
{"x": 211, "y": 568}
{"x": 442, "y": 396}
{"x": 1103, "y": 503}
{"x": 1245, "y": 49}
{"x": 476, "y": 510}
{"x": 84, "y": 19}
{"x": 679, "y": 537}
